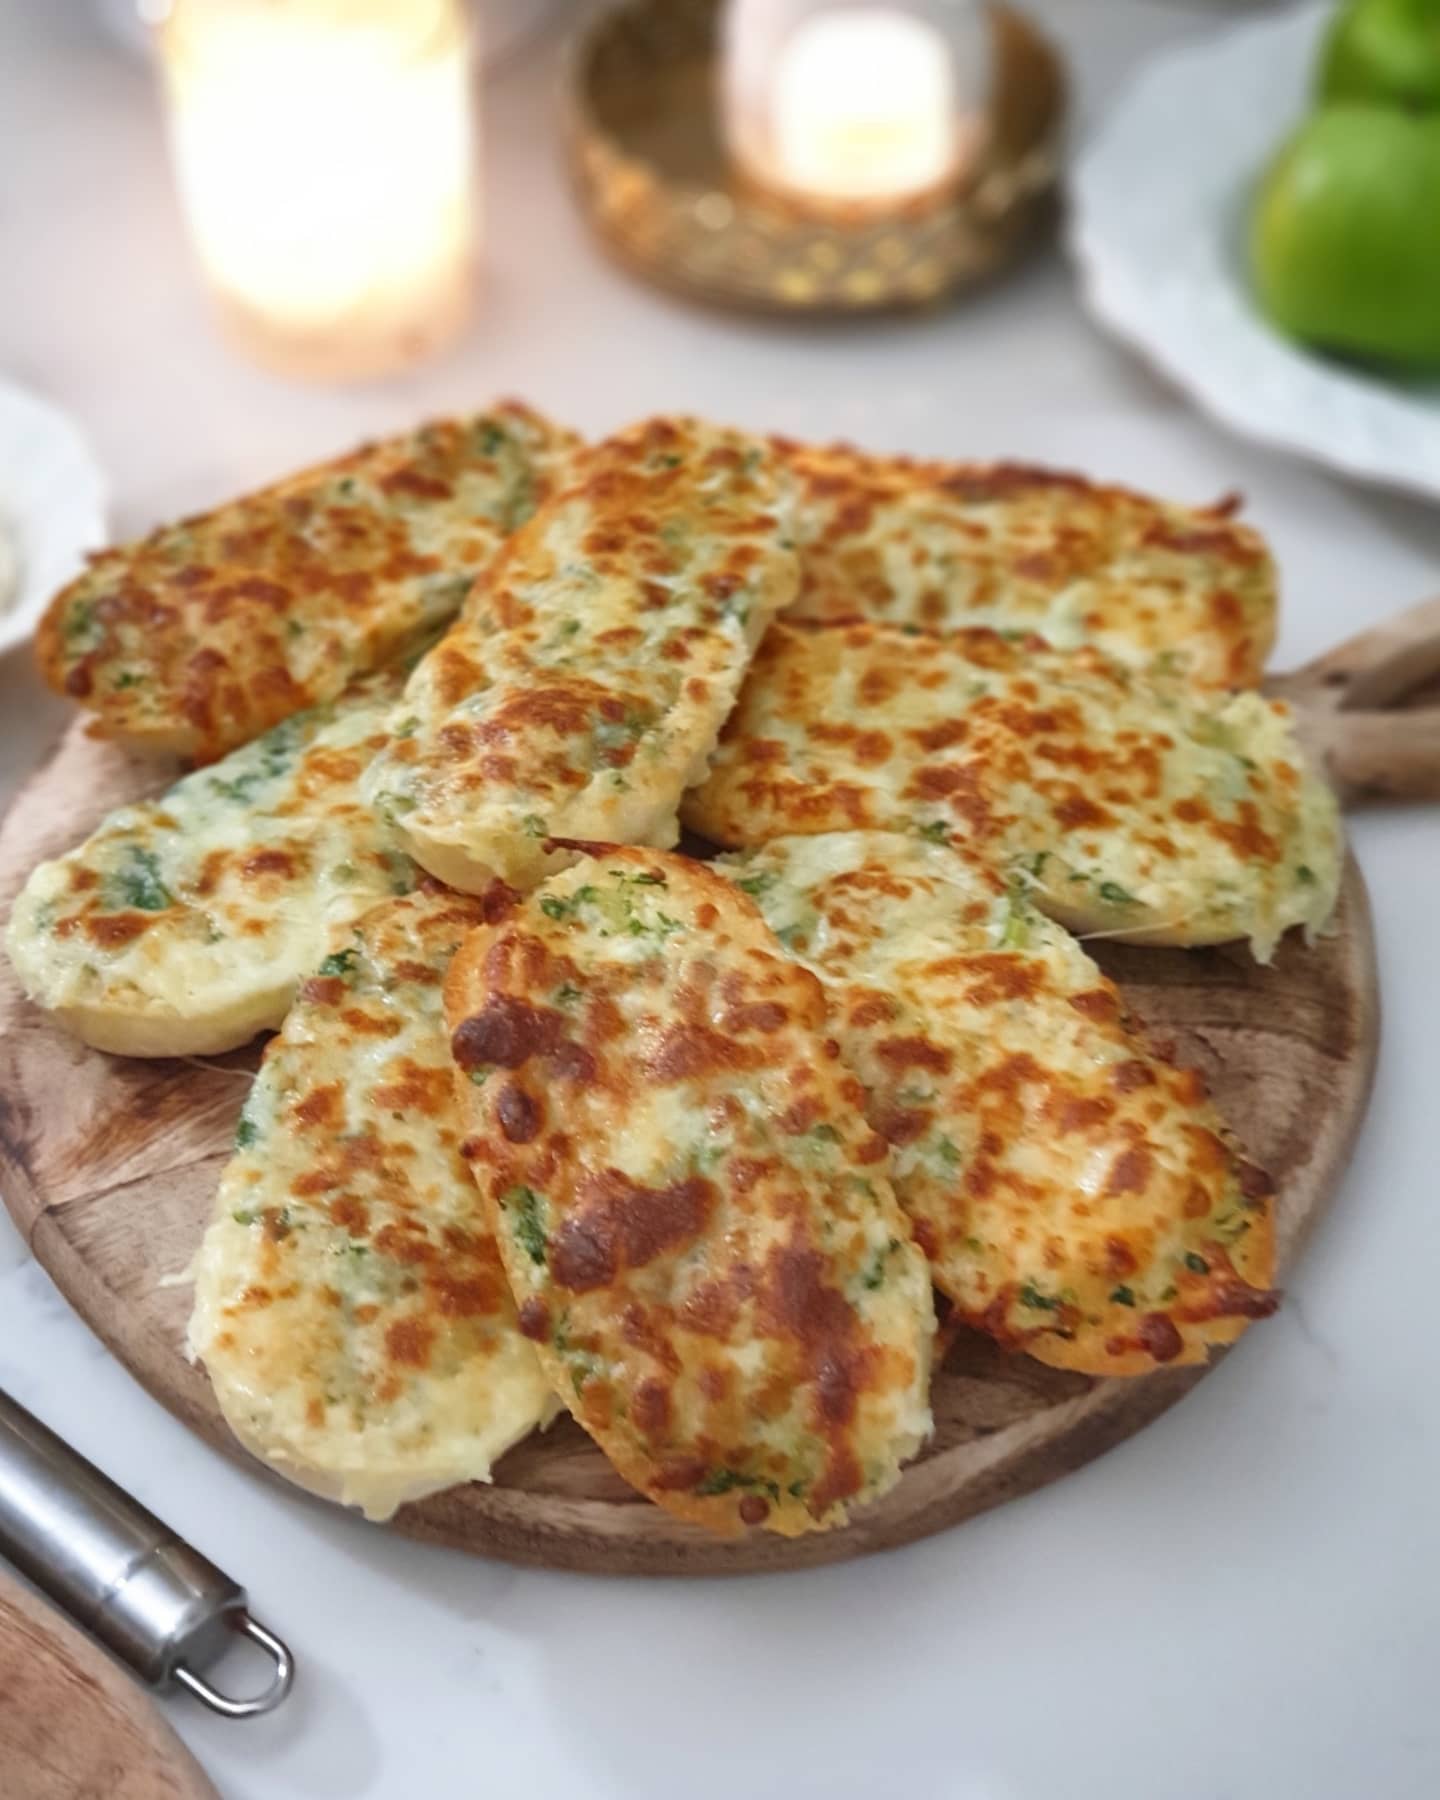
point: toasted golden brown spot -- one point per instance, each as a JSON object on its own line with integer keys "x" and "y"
{"x": 1077, "y": 1197}
{"x": 700, "y": 1235}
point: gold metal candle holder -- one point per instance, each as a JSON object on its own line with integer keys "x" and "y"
{"x": 650, "y": 162}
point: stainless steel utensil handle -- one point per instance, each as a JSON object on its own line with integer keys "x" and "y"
{"x": 122, "y": 1574}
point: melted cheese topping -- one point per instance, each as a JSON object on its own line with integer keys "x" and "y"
{"x": 182, "y": 924}
{"x": 1132, "y": 809}
{"x": 947, "y": 546}
{"x": 1078, "y": 1198}
{"x": 201, "y": 635}
{"x": 584, "y": 687}
{"x": 350, "y": 1306}
{"x": 697, "y": 1223}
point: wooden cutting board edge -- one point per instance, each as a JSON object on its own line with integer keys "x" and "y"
{"x": 73, "y": 1724}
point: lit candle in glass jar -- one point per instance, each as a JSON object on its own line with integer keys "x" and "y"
{"x": 324, "y": 155}
{"x": 861, "y": 105}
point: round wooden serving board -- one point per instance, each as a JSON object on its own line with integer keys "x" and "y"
{"x": 109, "y": 1167}
{"x": 73, "y": 1725}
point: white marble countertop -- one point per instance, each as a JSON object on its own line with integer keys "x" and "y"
{"x": 1243, "y": 1603}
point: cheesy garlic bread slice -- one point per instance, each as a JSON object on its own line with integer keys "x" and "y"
{"x": 1133, "y": 809}
{"x": 584, "y": 686}
{"x": 945, "y": 546}
{"x": 350, "y": 1306}
{"x": 1078, "y": 1198}
{"x": 182, "y": 924}
{"x": 698, "y": 1225}
{"x": 198, "y": 637}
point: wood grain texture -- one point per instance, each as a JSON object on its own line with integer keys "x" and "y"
{"x": 73, "y": 1725}
{"x": 1369, "y": 710}
{"x": 109, "y": 1168}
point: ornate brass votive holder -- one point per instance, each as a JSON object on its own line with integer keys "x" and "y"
{"x": 649, "y": 157}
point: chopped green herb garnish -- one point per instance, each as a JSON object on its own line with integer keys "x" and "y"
{"x": 534, "y": 825}
{"x": 400, "y": 870}
{"x": 246, "y": 1132}
{"x": 407, "y": 727}
{"x": 242, "y": 1215}
{"x": 566, "y": 995}
{"x": 1197, "y": 1265}
{"x": 874, "y": 1276}
{"x": 1304, "y": 873}
{"x": 480, "y": 1074}
{"x": 1114, "y": 895}
{"x": 137, "y": 883}
{"x": 1122, "y": 1296}
{"x": 825, "y": 1134}
{"x": 129, "y": 678}
{"x": 1016, "y": 934}
{"x": 554, "y": 907}
{"x": 756, "y": 885}
{"x": 343, "y": 963}
{"x": 936, "y": 832}
{"x": 80, "y": 620}
{"x": 522, "y": 1204}
{"x": 1031, "y": 1296}
{"x": 946, "y": 1150}
{"x": 725, "y": 1481}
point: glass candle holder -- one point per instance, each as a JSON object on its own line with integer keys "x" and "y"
{"x": 849, "y": 104}
{"x": 324, "y": 152}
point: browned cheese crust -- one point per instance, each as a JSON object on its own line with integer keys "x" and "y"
{"x": 584, "y": 686}
{"x": 943, "y": 546}
{"x": 200, "y": 636}
{"x": 1141, "y": 810}
{"x": 696, "y": 1221}
{"x": 1078, "y": 1196}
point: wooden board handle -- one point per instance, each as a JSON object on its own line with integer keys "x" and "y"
{"x": 1363, "y": 710}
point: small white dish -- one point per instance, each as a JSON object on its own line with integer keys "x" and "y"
{"x": 52, "y": 508}
{"x": 1160, "y": 199}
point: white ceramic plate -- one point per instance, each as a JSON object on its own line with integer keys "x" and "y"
{"x": 1160, "y": 198}
{"x": 52, "y": 507}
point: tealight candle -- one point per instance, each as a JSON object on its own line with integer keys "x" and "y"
{"x": 853, "y": 105}
{"x": 324, "y": 156}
